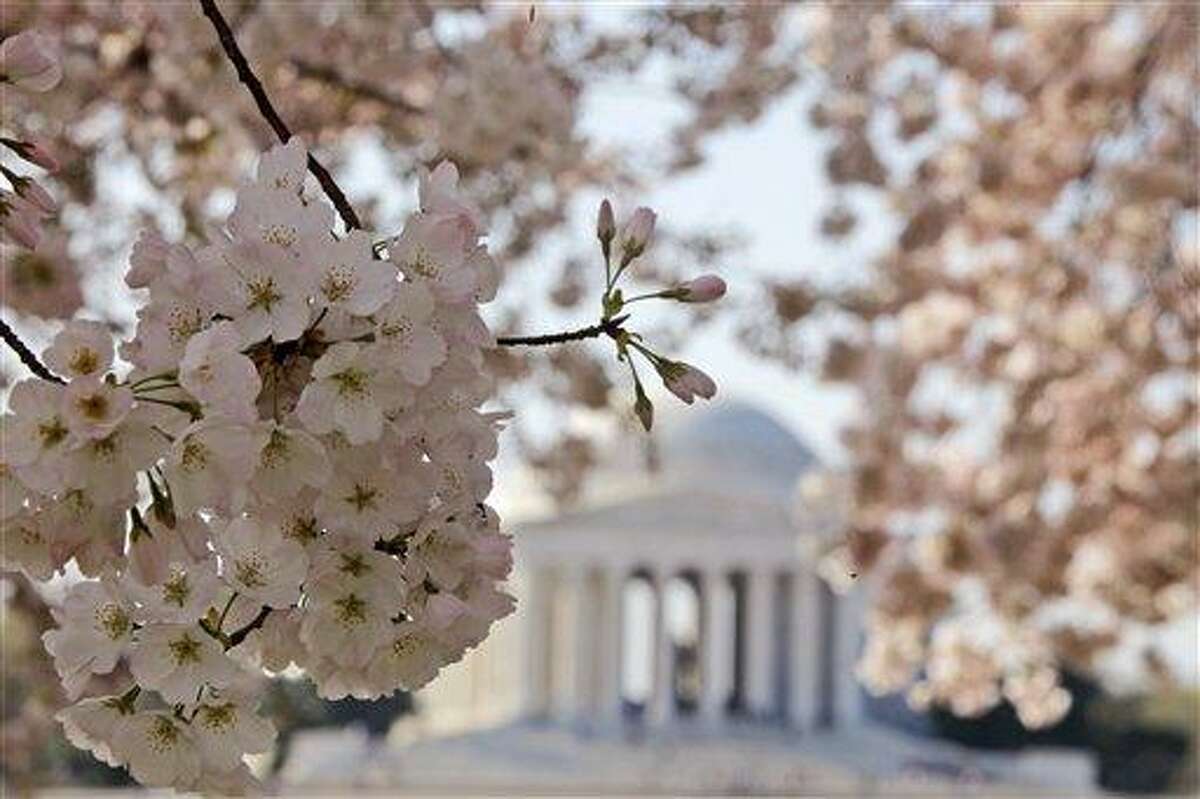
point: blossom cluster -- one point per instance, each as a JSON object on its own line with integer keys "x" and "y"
{"x": 292, "y": 475}
{"x": 28, "y": 61}
{"x": 1022, "y": 489}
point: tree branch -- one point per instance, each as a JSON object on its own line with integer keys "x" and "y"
{"x": 254, "y": 85}
{"x": 607, "y": 327}
{"x": 238, "y": 636}
{"x": 25, "y": 354}
{"x": 331, "y": 77}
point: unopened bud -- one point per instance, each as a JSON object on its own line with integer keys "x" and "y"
{"x": 643, "y": 407}
{"x": 635, "y": 236}
{"x": 33, "y": 152}
{"x": 606, "y": 227}
{"x": 19, "y": 221}
{"x": 705, "y": 288}
{"x": 37, "y": 153}
{"x": 686, "y": 381}
{"x": 33, "y": 193}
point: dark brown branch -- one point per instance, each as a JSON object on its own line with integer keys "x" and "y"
{"x": 331, "y": 77}
{"x": 238, "y": 636}
{"x": 608, "y": 327}
{"x": 25, "y": 354}
{"x": 254, "y": 85}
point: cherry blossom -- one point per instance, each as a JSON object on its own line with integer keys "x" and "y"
{"x": 81, "y": 349}
{"x": 260, "y": 563}
{"x": 28, "y": 61}
{"x": 95, "y": 629}
{"x": 405, "y": 335}
{"x": 215, "y": 372}
{"x": 211, "y": 462}
{"x": 177, "y": 659}
{"x": 350, "y": 392}
{"x": 158, "y": 749}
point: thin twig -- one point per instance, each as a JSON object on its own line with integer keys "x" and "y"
{"x": 25, "y": 354}
{"x": 608, "y": 327}
{"x": 254, "y": 85}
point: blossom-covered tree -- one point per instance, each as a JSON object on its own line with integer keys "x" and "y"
{"x": 294, "y": 418}
{"x": 1024, "y": 470}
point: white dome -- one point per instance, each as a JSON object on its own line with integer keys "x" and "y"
{"x": 734, "y": 442}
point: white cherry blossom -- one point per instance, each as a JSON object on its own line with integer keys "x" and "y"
{"x": 95, "y": 630}
{"x": 81, "y": 349}
{"x": 290, "y": 460}
{"x": 434, "y": 251}
{"x": 350, "y": 392}
{"x": 404, "y": 337}
{"x": 13, "y": 493}
{"x": 107, "y": 467}
{"x": 176, "y": 660}
{"x": 286, "y": 226}
{"x": 367, "y": 497}
{"x": 284, "y": 168}
{"x": 93, "y": 407}
{"x": 214, "y": 371}
{"x": 262, "y": 290}
{"x": 158, "y": 749}
{"x": 211, "y": 462}
{"x": 225, "y": 728}
{"x": 92, "y": 725}
{"x": 182, "y": 303}
{"x": 350, "y": 278}
{"x": 410, "y": 658}
{"x": 259, "y": 563}
{"x": 36, "y": 435}
{"x": 26, "y": 547}
{"x": 182, "y": 591}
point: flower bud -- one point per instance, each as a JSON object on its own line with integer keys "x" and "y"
{"x": 29, "y": 61}
{"x": 705, "y": 288}
{"x": 33, "y": 152}
{"x": 606, "y": 226}
{"x": 33, "y": 193}
{"x": 19, "y": 220}
{"x": 686, "y": 381}
{"x": 635, "y": 236}
{"x": 36, "y": 153}
{"x": 643, "y": 407}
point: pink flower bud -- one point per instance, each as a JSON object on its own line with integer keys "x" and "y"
{"x": 705, "y": 288}
{"x": 36, "y": 196}
{"x": 20, "y": 221}
{"x": 686, "y": 381}
{"x": 29, "y": 61}
{"x": 37, "y": 153}
{"x": 635, "y": 236}
{"x": 606, "y": 226}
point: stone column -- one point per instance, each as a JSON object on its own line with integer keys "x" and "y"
{"x": 537, "y": 670}
{"x": 760, "y": 612}
{"x": 574, "y": 629}
{"x": 848, "y": 707}
{"x": 804, "y": 659}
{"x": 587, "y": 645}
{"x": 610, "y": 658}
{"x": 662, "y": 693}
{"x": 716, "y": 645}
